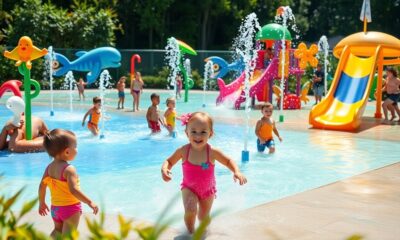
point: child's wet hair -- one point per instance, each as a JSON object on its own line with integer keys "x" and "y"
{"x": 267, "y": 105}
{"x": 57, "y": 140}
{"x": 202, "y": 115}
{"x": 154, "y": 95}
{"x": 169, "y": 100}
{"x": 393, "y": 71}
{"x": 96, "y": 100}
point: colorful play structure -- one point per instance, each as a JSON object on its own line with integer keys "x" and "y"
{"x": 221, "y": 67}
{"x": 92, "y": 62}
{"x": 11, "y": 86}
{"x": 360, "y": 55}
{"x": 187, "y": 80}
{"x": 15, "y": 103}
{"x": 261, "y": 81}
{"x": 134, "y": 58}
{"x": 24, "y": 53}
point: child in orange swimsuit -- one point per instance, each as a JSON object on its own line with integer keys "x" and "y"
{"x": 94, "y": 116}
{"x": 198, "y": 160}
{"x": 264, "y": 128}
{"x": 63, "y": 182}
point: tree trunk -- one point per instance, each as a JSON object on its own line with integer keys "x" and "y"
{"x": 204, "y": 29}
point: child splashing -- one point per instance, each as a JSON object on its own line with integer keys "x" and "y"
{"x": 94, "y": 114}
{"x": 63, "y": 181}
{"x": 198, "y": 159}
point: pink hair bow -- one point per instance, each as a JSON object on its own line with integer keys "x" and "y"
{"x": 185, "y": 118}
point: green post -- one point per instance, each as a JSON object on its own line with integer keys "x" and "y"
{"x": 24, "y": 71}
{"x": 185, "y": 80}
{"x": 281, "y": 118}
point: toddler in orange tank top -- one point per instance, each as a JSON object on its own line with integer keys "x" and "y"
{"x": 264, "y": 128}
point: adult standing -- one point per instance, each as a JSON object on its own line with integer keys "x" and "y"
{"x": 318, "y": 84}
{"x": 136, "y": 90}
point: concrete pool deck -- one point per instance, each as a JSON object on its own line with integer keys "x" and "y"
{"x": 367, "y": 204}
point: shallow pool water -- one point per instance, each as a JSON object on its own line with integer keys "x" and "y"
{"x": 122, "y": 171}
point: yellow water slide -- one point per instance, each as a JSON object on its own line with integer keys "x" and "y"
{"x": 359, "y": 54}
{"x": 344, "y": 104}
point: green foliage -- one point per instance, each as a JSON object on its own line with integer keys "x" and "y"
{"x": 161, "y": 79}
{"x": 85, "y": 26}
{"x": 11, "y": 228}
{"x": 198, "y": 79}
{"x": 209, "y": 25}
{"x": 10, "y": 222}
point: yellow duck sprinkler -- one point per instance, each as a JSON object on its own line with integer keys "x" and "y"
{"x": 24, "y": 53}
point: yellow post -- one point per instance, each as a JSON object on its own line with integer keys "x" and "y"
{"x": 365, "y": 24}
{"x": 378, "y": 112}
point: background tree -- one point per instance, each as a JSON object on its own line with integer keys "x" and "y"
{"x": 85, "y": 26}
{"x": 152, "y": 18}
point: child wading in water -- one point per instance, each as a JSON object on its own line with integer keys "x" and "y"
{"x": 94, "y": 116}
{"x": 63, "y": 181}
{"x": 170, "y": 116}
{"x": 121, "y": 93}
{"x": 198, "y": 159}
{"x": 153, "y": 114}
{"x": 264, "y": 128}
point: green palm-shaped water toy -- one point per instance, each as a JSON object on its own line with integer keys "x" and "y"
{"x": 187, "y": 81}
{"x": 24, "y": 53}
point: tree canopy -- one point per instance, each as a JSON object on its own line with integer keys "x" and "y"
{"x": 203, "y": 24}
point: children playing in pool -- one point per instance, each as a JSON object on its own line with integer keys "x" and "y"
{"x": 63, "y": 182}
{"x": 153, "y": 116}
{"x": 94, "y": 116}
{"x": 198, "y": 157}
{"x": 170, "y": 116}
{"x": 121, "y": 93}
{"x": 264, "y": 128}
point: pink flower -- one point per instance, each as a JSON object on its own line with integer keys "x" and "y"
{"x": 185, "y": 118}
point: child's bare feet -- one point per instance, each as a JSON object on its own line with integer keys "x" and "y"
{"x": 386, "y": 122}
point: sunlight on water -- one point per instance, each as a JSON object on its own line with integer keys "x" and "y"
{"x": 122, "y": 171}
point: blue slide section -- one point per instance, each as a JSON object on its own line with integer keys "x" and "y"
{"x": 350, "y": 89}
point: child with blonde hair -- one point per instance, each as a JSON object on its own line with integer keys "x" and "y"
{"x": 170, "y": 116}
{"x": 136, "y": 89}
{"x": 198, "y": 161}
{"x": 63, "y": 181}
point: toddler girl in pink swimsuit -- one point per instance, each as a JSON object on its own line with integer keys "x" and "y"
{"x": 198, "y": 160}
